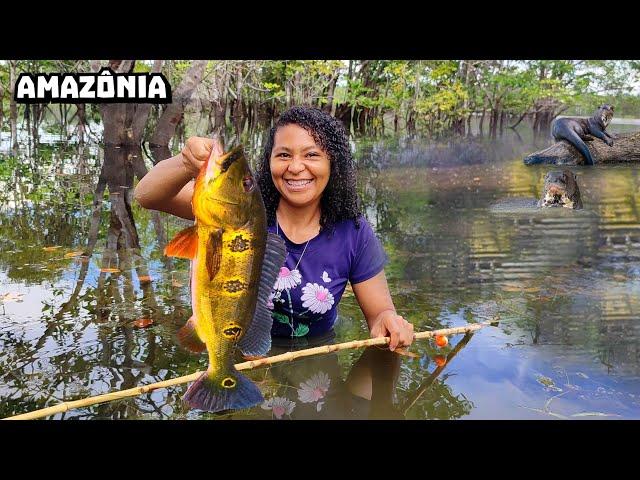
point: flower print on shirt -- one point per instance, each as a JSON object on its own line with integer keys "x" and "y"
{"x": 279, "y": 406}
{"x": 270, "y": 301}
{"x": 287, "y": 279}
{"x": 325, "y": 277}
{"x": 316, "y": 298}
{"x": 314, "y": 389}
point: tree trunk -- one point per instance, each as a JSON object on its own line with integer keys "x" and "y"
{"x": 221, "y": 105}
{"x": 1, "y": 104}
{"x": 27, "y": 118}
{"x": 38, "y": 111}
{"x": 166, "y": 127}
{"x": 493, "y": 123}
{"x": 13, "y": 109}
{"x": 626, "y": 149}
{"x": 329, "y": 107}
{"x": 545, "y": 123}
{"x": 142, "y": 110}
{"x": 481, "y": 124}
{"x": 118, "y": 118}
{"x": 519, "y": 120}
{"x": 82, "y": 121}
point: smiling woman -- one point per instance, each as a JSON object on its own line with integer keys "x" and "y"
{"x": 308, "y": 182}
{"x": 300, "y": 169}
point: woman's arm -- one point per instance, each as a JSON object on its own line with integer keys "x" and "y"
{"x": 168, "y": 186}
{"x": 377, "y": 306}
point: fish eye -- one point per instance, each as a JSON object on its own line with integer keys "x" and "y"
{"x": 248, "y": 184}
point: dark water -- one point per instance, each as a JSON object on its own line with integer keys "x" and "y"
{"x": 93, "y": 306}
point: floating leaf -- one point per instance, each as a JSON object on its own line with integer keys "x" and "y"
{"x": 144, "y": 278}
{"x": 52, "y": 248}
{"x": 546, "y": 381}
{"x": 176, "y": 284}
{"x": 518, "y": 288}
{"x": 11, "y": 297}
{"x": 511, "y": 288}
{"x": 110, "y": 270}
{"x": 142, "y": 322}
{"x": 73, "y": 254}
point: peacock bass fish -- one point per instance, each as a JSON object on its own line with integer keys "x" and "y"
{"x": 234, "y": 265}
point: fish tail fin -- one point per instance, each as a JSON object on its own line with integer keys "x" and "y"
{"x": 188, "y": 337}
{"x": 224, "y": 391}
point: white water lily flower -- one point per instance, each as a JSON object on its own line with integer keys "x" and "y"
{"x": 316, "y": 298}
{"x": 279, "y": 406}
{"x": 315, "y": 388}
{"x": 287, "y": 279}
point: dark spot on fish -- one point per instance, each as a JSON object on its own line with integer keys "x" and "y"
{"x": 239, "y": 244}
{"x": 235, "y": 155}
{"x": 233, "y": 286}
{"x": 228, "y": 382}
{"x": 232, "y": 331}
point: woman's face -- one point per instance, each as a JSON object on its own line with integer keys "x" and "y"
{"x": 300, "y": 169}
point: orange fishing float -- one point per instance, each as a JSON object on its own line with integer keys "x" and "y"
{"x": 440, "y": 360}
{"x": 441, "y": 341}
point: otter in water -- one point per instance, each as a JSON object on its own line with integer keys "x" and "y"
{"x": 576, "y": 131}
{"x": 561, "y": 190}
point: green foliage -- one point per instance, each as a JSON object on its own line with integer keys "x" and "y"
{"x": 432, "y": 96}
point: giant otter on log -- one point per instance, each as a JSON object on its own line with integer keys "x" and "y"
{"x": 579, "y": 130}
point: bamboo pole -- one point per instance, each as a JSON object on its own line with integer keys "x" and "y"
{"x": 288, "y": 356}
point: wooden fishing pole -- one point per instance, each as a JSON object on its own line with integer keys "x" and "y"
{"x": 289, "y": 356}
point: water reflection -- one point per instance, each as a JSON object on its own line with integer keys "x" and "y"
{"x": 101, "y": 304}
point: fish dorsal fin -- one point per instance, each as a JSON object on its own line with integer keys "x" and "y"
{"x": 214, "y": 253}
{"x": 257, "y": 340}
{"x": 184, "y": 244}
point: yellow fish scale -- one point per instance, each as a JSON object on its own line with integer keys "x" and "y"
{"x": 224, "y": 304}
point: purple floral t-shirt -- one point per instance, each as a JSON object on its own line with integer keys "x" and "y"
{"x": 309, "y": 287}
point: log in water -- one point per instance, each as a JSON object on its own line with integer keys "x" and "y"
{"x": 625, "y": 149}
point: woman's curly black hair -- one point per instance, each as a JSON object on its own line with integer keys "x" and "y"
{"x": 340, "y": 198}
